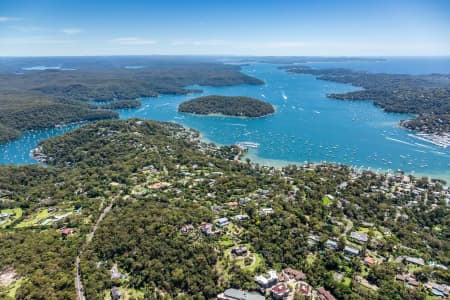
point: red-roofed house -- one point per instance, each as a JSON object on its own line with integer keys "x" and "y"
{"x": 304, "y": 289}
{"x": 369, "y": 261}
{"x": 280, "y": 291}
{"x": 66, "y": 231}
{"x": 293, "y": 274}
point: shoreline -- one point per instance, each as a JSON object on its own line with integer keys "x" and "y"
{"x": 279, "y": 164}
{"x": 38, "y": 155}
{"x": 444, "y": 174}
{"x": 219, "y": 115}
{"x": 276, "y": 163}
{"x": 201, "y": 105}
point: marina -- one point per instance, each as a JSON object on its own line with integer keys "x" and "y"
{"x": 436, "y": 139}
{"x": 247, "y": 145}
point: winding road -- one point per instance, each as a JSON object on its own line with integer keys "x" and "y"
{"x": 78, "y": 281}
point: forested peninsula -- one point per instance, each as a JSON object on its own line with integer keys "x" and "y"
{"x": 237, "y": 106}
{"x": 154, "y": 213}
{"x": 44, "y": 98}
{"x": 427, "y": 96}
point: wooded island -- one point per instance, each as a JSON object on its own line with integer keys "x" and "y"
{"x": 227, "y": 105}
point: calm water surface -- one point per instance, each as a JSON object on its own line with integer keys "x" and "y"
{"x": 307, "y": 126}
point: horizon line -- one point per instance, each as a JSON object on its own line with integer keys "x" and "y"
{"x": 222, "y": 55}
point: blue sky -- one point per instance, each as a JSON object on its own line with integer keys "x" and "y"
{"x": 231, "y": 27}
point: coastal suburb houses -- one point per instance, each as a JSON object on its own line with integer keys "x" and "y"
{"x": 285, "y": 285}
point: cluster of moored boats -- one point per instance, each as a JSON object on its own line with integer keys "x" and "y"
{"x": 436, "y": 139}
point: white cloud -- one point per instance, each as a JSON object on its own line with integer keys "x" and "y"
{"x": 271, "y": 45}
{"x": 284, "y": 45}
{"x": 210, "y": 43}
{"x": 33, "y": 41}
{"x": 241, "y": 45}
{"x": 29, "y": 29}
{"x": 178, "y": 43}
{"x": 133, "y": 41}
{"x": 9, "y": 19}
{"x": 71, "y": 31}
{"x": 26, "y": 29}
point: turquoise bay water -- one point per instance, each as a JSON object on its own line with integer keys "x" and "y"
{"x": 395, "y": 65}
{"x": 307, "y": 126}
